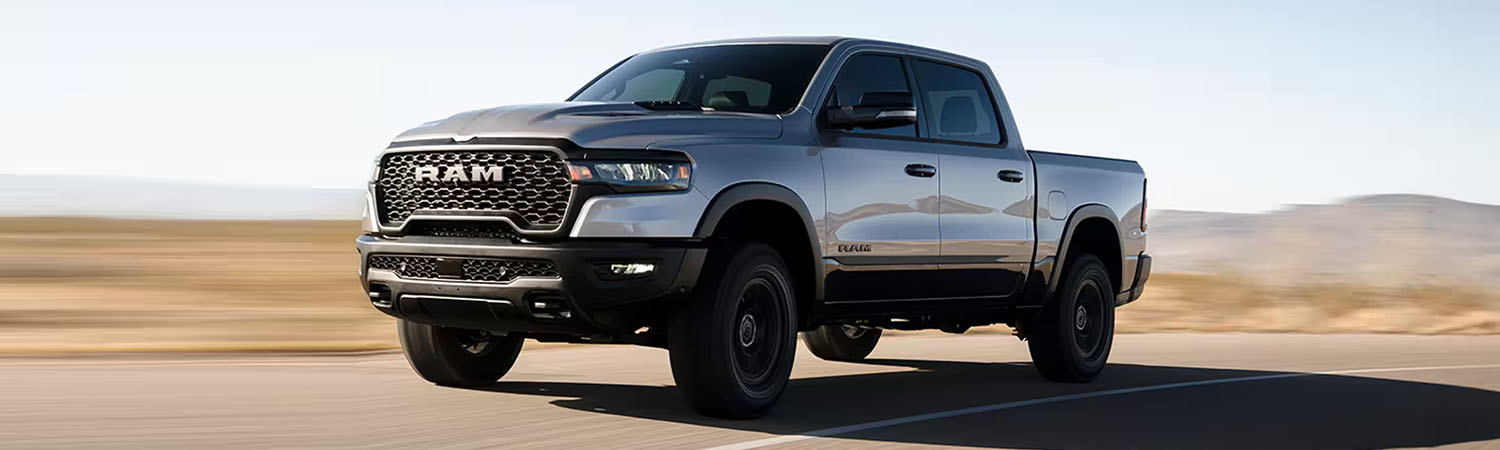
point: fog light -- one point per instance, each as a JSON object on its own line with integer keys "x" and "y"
{"x": 632, "y": 269}
{"x": 548, "y": 306}
{"x": 380, "y": 295}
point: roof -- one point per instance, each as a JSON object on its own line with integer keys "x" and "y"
{"x": 823, "y": 40}
{"x": 805, "y": 40}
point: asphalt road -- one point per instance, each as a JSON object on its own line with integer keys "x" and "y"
{"x": 1161, "y": 391}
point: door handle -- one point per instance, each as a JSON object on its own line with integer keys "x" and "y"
{"x": 1011, "y": 176}
{"x": 921, "y": 170}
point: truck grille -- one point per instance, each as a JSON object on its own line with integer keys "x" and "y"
{"x": 533, "y": 189}
{"x": 487, "y": 230}
{"x": 474, "y": 269}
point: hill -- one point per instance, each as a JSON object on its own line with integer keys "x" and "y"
{"x": 1380, "y": 240}
{"x": 112, "y": 197}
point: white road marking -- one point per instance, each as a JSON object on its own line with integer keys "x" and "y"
{"x": 846, "y": 429}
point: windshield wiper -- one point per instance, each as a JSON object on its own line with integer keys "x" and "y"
{"x": 668, "y": 105}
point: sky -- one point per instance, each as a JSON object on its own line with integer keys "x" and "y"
{"x": 1230, "y": 106}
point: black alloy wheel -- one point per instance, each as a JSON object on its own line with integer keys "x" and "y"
{"x": 1070, "y": 339}
{"x": 732, "y": 345}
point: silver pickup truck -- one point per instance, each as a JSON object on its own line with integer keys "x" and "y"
{"x": 716, "y": 199}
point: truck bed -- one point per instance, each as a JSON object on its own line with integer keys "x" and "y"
{"x": 1066, "y": 182}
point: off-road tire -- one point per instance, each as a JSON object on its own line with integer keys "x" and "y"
{"x": 1071, "y": 338}
{"x": 725, "y": 364}
{"x": 456, "y": 357}
{"x": 841, "y": 342}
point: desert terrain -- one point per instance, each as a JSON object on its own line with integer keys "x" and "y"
{"x": 75, "y": 285}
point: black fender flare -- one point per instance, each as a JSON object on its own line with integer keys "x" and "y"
{"x": 733, "y": 195}
{"x": 1079, "y": 214}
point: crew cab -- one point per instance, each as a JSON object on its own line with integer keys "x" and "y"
{"x": 716, "y": 199}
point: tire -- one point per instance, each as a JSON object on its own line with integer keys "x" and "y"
{"x": 733, "y": 343}
{"x": 841, "y": 342}
{"x": 1071, "y": 338}
{"x": 457, "y": 357}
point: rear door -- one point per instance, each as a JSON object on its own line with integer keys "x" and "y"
{"x": 882, "y": 237}
{"x": 985, "y": 208}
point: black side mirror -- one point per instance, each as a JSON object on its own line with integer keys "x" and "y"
{"x": 875, "y": 110}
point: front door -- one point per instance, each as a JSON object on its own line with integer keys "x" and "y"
{"x": 882, "y": 238}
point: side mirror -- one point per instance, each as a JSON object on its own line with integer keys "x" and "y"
{"x": 875, "y": 110}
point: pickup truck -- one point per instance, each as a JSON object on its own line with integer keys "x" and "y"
{"x": 716, "y": 199}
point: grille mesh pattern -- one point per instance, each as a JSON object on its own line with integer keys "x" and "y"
{"x": 474, "y": 269}
{"x": 534, "y": 189}
{"x": 488, "y": 230}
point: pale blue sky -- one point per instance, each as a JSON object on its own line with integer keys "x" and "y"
{"x": 1239, "y": 106}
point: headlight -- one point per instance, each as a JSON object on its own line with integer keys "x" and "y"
{"x": 634, "y": 176}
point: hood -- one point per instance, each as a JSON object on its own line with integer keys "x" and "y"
{"x": 597, "y": 125}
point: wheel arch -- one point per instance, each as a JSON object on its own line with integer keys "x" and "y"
{"x": 1092, "y": 228}
{"x": 735, "y": 206}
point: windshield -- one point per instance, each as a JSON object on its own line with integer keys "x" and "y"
{"x": 751, "y": 78}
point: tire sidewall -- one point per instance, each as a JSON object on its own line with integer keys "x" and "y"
{"x": 829, "y": 342}
{"x": 703, "y": 342}
{"x": 1089, "y": 271}
{"x": 436, "y": 355}
{"x": 757, "y": 264}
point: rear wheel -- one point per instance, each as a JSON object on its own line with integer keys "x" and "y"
{"x": 732, "y": 346}
{"x": 1070, "y": 340}
{"x": 458, "y": 357}
{"x": 841, "y": 342}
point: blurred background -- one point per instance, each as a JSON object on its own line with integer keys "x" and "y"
{"x": 186, "y": 176}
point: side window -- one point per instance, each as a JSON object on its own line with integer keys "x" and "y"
{"x": 959, "y": 106}
{"x": 871, "y": 73}
{"x": 732, "y": 92}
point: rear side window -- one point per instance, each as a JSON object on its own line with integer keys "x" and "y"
{"x": 871, "y": 73}
{"x": 959, "y": 106}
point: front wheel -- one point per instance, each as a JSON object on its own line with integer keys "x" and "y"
{"x": 841, "y": 342}
{"x": 458, "y": 357}
{"x": 1070, "y": 340}
{"x": 732, "y": 345}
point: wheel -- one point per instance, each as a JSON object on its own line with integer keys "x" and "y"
{"x": 458, "y": 357}
{"x": 732, "y": 344}
{"x": 841, "y": 342}
{"x": 1070, "y": 339}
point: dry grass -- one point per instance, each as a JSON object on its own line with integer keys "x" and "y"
{"x": 94, "y": 285}
{"x": 85, "y": 285}
{"x": 1187, "y": 302}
